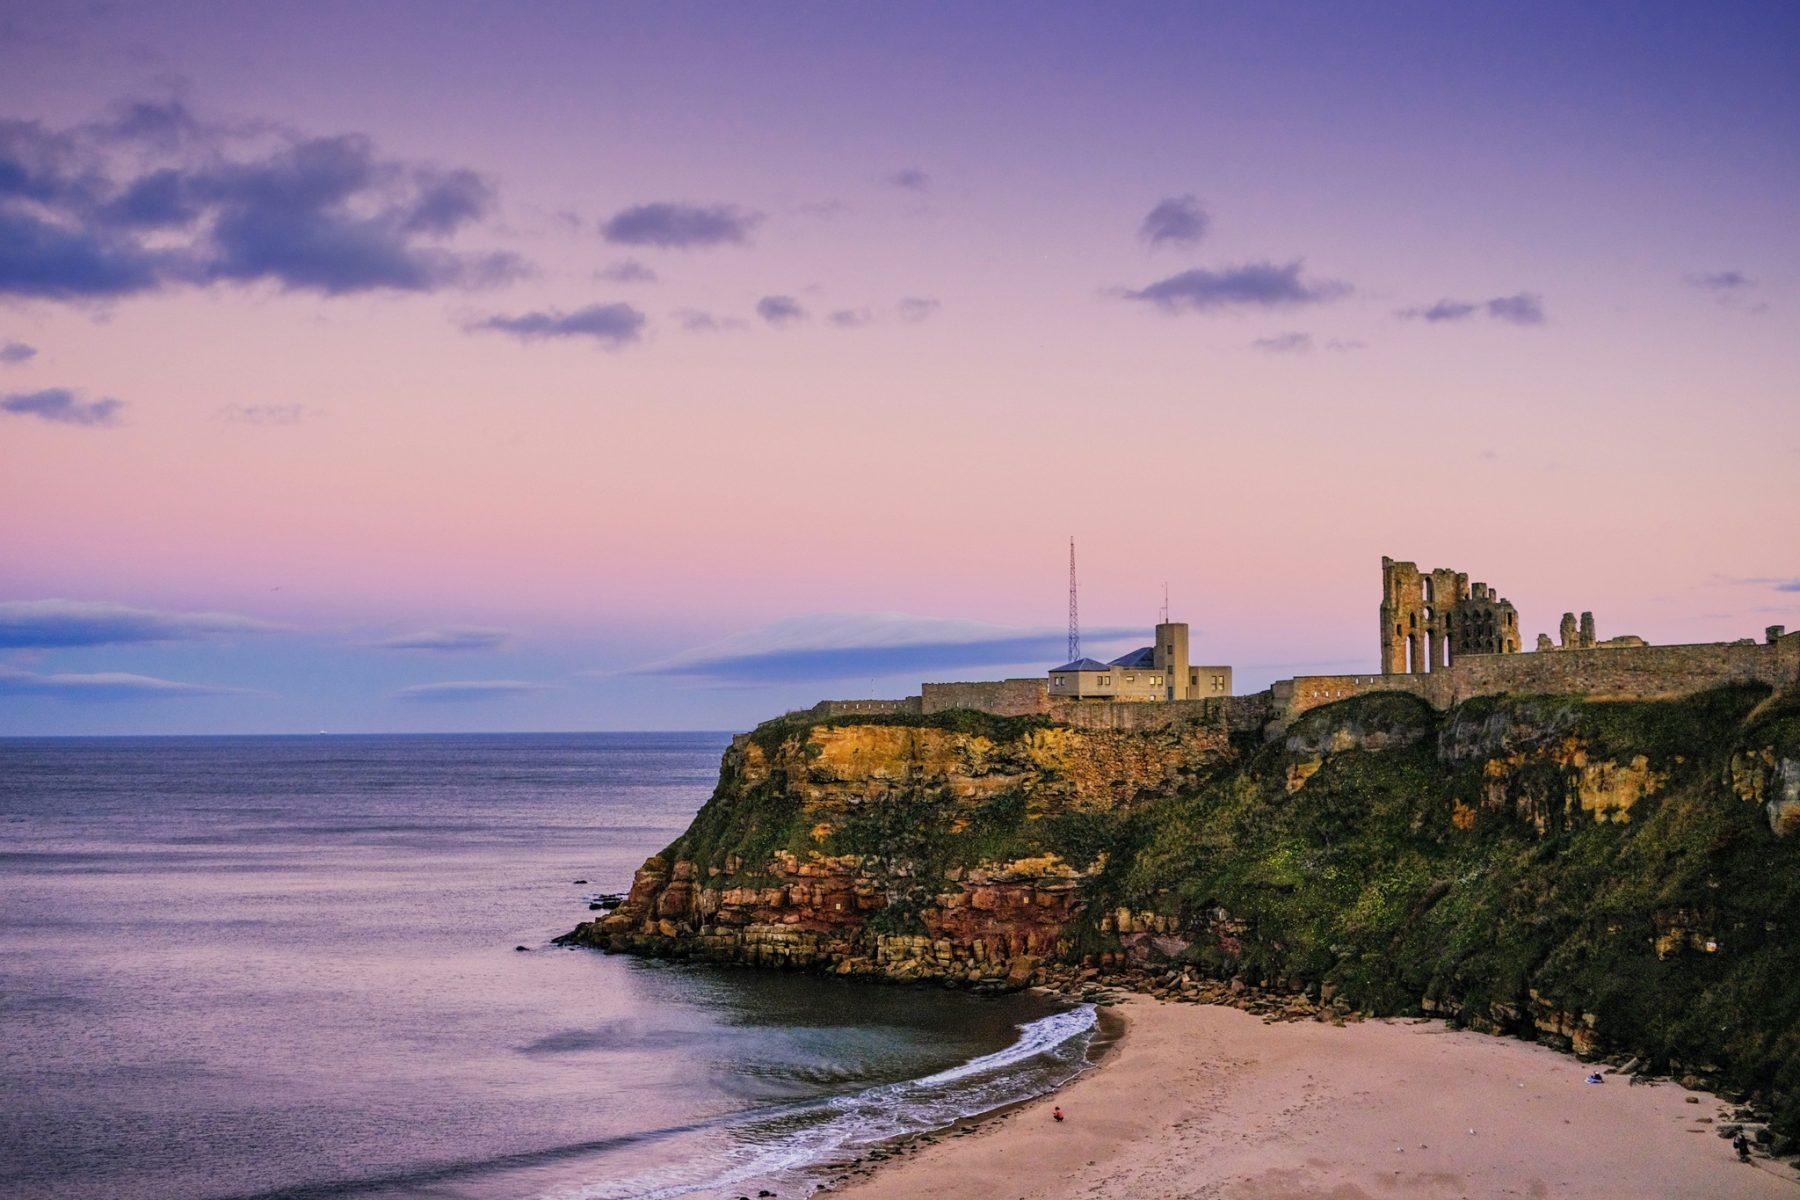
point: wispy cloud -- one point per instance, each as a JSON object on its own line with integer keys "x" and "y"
{"x": 626, "y": 270}
{"x": 680, "y": 226}
{"x": 918, "y": 308}
{"x": 1779, "y": 583}
{"x": 611, "y": 325}
{"x": 1524, "y": 308}
{"x": 16, "y": 352}
{"x": 1252, "y": 285}
{"x": 1443, "y": 310}
{"x": 63, "y": 407}
{"x": 780, "y": 310}
{"x": 1732, "y": 289}
{"x": 864, "y": 645}
{"x": 54, "y": 623}
{"x": 106, "y": 686}
{"x": 910, "y": 179}
{"x": 1285, "y": 343}
{"x": 264, "y": 414}
{"x": 1719, "y": 281}
{"x": 156, "y": 197}
{"x": 851, "y": 318}
{"x": 1178, "y": 221}
{"x": 463, "y": 690}
{"x": 449, "y": 639}
{"x": 696, "y": 320}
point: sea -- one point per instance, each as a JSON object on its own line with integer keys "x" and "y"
{"x": 321, "y": 968}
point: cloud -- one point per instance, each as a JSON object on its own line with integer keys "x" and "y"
{"x": 1732, "y": 289}
{"x": 1339, "y": 346}
{"x": 43, "y": 624}
{"x": 106, "y": 685}
{"x": 1719, "y": 281}
{"x": 612, "y": 325}
{"x": 680, "y": 226}
{"x": 16, "y": 352}
{"x": 447, "y": 640}
{"x": 264, "y": 414}
{"x": 1779, "y": 583}
{"x": 1253, "y": 285}
{"x": 1179, "y": 220}
{"x": 1525, "y": 308}
{"x": 63, "y": 406}
{"x": 864, "y": 645}
{"x": 1285, "y": 343}
{"x": 909, "y": 179}
{"x": 467, "y": 689}
{"x": 824, "y": 210}
{"x": 851, "y": 318}
{"x": 695, "y": 321}
{"x": 918, "y": 308}
{"x": 626, "y": 270}
{"x": 780, "y": 310}
{"x": 162, "y": 123}
{"x": 156, "y": 198}
{"x": 1443, "y": 310}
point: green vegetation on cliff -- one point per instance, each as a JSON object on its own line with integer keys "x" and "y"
{"x": 1608, "y": 875}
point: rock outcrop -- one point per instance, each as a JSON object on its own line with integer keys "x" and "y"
{"x": 1607, "y": 876}
{"x": 960, "y": 850}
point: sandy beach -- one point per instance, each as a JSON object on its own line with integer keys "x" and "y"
{"x": 1204, "y": 1101}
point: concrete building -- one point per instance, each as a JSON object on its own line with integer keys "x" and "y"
{"x": 1149, "y": 673}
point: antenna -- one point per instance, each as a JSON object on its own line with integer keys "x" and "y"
{"x": 1165, "y": 612}
{"x": 1074, "y": 613}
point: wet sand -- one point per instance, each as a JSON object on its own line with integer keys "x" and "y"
{"x": 1204, "y": 1101}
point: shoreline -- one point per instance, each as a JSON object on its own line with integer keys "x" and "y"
{"x": 1210, "y": 1101}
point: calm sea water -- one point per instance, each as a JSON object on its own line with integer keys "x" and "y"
{"x": 286, "y": 967}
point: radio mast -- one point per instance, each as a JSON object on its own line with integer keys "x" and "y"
{"x": 1074, "y": 612}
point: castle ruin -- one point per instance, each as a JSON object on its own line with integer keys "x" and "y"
{"x": 1443, "y": 640}
{"x": 1429, "y": 619}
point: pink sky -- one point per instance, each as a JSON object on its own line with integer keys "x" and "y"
{"x": 1635, "y": 452}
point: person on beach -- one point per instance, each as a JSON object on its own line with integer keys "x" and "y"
{"x": 1056, "y": 1113}
{"x": 1740, "y": 1143}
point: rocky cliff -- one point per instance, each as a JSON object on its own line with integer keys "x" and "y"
{"x": 1608, "y": 876}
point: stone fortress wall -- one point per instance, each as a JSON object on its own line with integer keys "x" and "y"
{"x": 1431, "y": 655}
{"x": 1030, "y": 697}
{"x": 1003, "y": 697}
{"x": 1600, "y": 673}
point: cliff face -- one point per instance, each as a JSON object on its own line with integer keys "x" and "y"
{"x": 1620, "y": 876}
{"x": 959, "y": 847}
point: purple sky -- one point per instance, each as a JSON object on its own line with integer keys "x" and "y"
{"x": 440, "y": 366}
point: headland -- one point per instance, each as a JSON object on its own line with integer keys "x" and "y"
{"x": 1592, "y": 845}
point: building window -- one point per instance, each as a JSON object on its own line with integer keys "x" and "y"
{"x": 1106, "y": 681}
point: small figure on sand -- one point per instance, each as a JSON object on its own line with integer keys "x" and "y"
{"x": 1595, "y": 1078}
{"x": 1056, "y": 1113}
{"x": 1740, "y": 1143}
